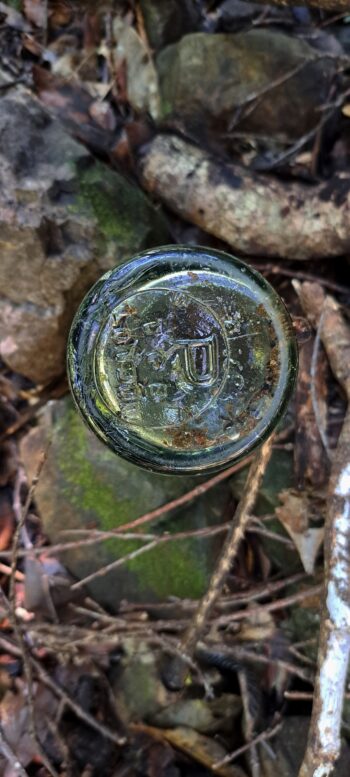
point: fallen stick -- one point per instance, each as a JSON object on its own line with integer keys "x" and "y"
{"x": 255, "y": 214}
{"x": 324, "y": 741}
{"x": 175, "y": 674}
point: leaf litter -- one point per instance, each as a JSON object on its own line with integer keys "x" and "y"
{"x": 92, "y": 678}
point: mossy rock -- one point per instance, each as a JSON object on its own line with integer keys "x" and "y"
{"x": 125, "y": 219}
{"x": 84, "y": 485}
{"x": 65, "y": 218}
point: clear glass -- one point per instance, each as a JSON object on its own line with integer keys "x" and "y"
{"x": 182, "y": 360}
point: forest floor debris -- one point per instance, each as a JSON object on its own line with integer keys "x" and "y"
{"x": 81, "y": 688}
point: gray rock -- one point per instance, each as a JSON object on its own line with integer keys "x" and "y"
{"x": 84, "y": 485}
{"x": 167, "y": 22}
{"x": 65, "y": 219}
{"x": 236, "y": 67}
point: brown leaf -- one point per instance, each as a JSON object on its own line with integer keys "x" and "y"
{"x": 294, "y": 515}
{"x": 15, "y": 719}
{"x": 61, "y": 13}
{"x": 35, "y": 11}
{"x": 202, "y": 749}
{"x": 132, "y": 54}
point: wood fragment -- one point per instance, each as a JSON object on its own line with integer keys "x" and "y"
{"x": 255, "y": 214}
{"x": 310, "y": 462}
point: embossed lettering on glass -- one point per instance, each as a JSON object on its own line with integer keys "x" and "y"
{"x": 182, "y": 360}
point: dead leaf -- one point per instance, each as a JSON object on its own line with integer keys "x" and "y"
{"x": 102, "y": 114}
{"x": 35, "y": 11}
{"x": 15, "y": 720}
{"x": 61, "y": 13}
{"x": 294, "y": 515}
{"x": 141, "y": 75}
{"x": 202, "y": 749}
{"x": 47, "y": 585}
{"x": 259, "y": 626}
{"x": 310, "y": 460}
{"x": 14, "y": 18}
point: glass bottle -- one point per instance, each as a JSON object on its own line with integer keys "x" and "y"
{"x": 182, "y": 360}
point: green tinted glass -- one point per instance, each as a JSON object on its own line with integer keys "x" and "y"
{"x": 182, "y": 360}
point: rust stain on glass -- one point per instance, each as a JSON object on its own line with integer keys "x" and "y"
{"x": 182, "y": 360}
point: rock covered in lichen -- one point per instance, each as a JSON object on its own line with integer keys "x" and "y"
{"x": 84, "y": 485}
{"x": 65, "y": 218}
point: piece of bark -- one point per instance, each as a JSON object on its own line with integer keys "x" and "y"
{"x": 254, "y": 214}
{"x": 310, "y": 459}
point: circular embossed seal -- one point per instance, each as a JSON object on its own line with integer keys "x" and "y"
{"x": 182, "y": 360}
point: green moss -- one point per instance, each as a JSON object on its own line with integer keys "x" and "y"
{"x": 85, "y": 490}
{"x": 173, "y": 568}
{"x": 123, "y": 213}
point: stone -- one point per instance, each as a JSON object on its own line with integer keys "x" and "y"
{"x": 84, "y": 485}
{"x": 136, "y": 681}
{"x": 65, "y": 218}
{"x": 167, "y": 22}
{"x": 238, "y": 66}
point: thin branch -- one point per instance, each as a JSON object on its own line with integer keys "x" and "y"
{"x": 277, "y": 269}
{"x": 279, "y": 604}
{"x": 176, "y": 675}
{"x": 195, "y": 493}
{"x": 263, "y": 737}
{"x": 114, "y": 565}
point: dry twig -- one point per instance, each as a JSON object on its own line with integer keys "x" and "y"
{"x": 175, "y": 676}
{"x": 263, "y": 737}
